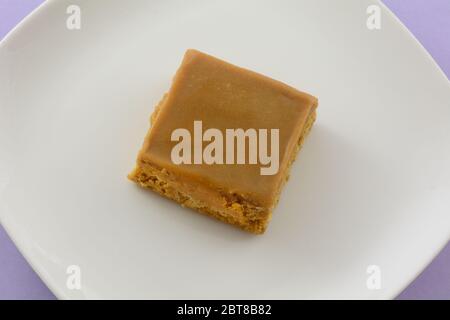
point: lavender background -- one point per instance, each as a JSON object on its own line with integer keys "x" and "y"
{"x": 428, "y": 20}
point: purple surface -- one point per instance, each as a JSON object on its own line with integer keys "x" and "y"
{"x": 429, "y": 21}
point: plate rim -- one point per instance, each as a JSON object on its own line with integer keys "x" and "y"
{"x": 60, "y": 294}
{"x": 445, "y": 79}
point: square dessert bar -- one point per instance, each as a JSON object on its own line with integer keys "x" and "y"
{"x": 221, "y": 96}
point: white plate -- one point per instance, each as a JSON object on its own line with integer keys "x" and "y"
{"x": 370, "y": 187}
